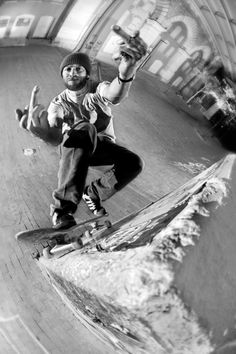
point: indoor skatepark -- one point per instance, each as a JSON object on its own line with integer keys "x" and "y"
{"x": 175, "y": 144}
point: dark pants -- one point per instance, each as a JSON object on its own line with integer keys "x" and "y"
{"x": 83, "y": 148}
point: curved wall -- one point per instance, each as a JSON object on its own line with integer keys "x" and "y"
{"x": 178, "y": 45}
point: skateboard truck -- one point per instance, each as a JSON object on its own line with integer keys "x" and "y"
{"x": 38, "y": 252}
{"x": 49, "y": 252}
{"x": 60, "y": 248}
{"x": 95, "y": 226}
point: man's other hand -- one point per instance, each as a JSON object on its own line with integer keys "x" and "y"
{"x": 34, "y": 117}
{"x": 130, "y": 51}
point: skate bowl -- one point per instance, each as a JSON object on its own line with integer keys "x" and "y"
{"x": 91, "y": 316}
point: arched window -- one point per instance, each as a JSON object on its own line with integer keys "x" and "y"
{"x": 4, "y": 21}
{"x": 21, "y": 26}
{"x": 43, "y": 26}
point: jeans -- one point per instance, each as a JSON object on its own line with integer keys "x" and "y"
{"x": 83, "y": 147}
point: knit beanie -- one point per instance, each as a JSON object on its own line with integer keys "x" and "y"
{"x": 76, "y": 58}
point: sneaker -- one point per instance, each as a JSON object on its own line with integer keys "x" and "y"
{"x": 94, "y": 204}
{"x": 63, "y": 221}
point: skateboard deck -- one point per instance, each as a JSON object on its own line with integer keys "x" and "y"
{"x": 51, "y": 242}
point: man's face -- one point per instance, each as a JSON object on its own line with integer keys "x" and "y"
{"x": 74, "y": 76}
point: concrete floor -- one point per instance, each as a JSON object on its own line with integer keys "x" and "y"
{"x": 174, "y": 145}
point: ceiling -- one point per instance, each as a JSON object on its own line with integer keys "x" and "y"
{"x": 219, "y": 20}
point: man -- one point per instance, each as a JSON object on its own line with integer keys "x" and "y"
{"x": 79, "y": 119}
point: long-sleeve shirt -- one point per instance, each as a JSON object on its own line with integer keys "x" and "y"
{"x": 67, "y": 109}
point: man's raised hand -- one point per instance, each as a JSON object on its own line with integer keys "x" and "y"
{"x": 130, "y": 47}
{"x": 34, "y": 117}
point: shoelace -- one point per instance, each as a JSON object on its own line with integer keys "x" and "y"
{"x": 90, "y": 202}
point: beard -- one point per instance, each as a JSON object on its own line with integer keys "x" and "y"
{"x": 77, "y": 84}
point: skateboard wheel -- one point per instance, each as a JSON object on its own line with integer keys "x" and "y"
{"x": 46, "y": 252}
{"x": 87, "y": 234}
{"x": 94, "y": 224}
{"x": 36, "y": 255}
{"x": 99, "y": 248}
{"x": 108, "y": 224}
{"x": 77, "y": 244}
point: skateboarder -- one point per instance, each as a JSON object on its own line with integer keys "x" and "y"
{"x": 80, "y": 121}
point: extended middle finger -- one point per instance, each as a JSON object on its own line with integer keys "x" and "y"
{"x": 36, "y": 113}
{"x": 33, "y": 97}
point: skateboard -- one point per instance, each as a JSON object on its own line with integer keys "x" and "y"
{"x": 51, "y": 243}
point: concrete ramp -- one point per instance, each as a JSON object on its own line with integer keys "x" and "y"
{"x": 164, "y": 280}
